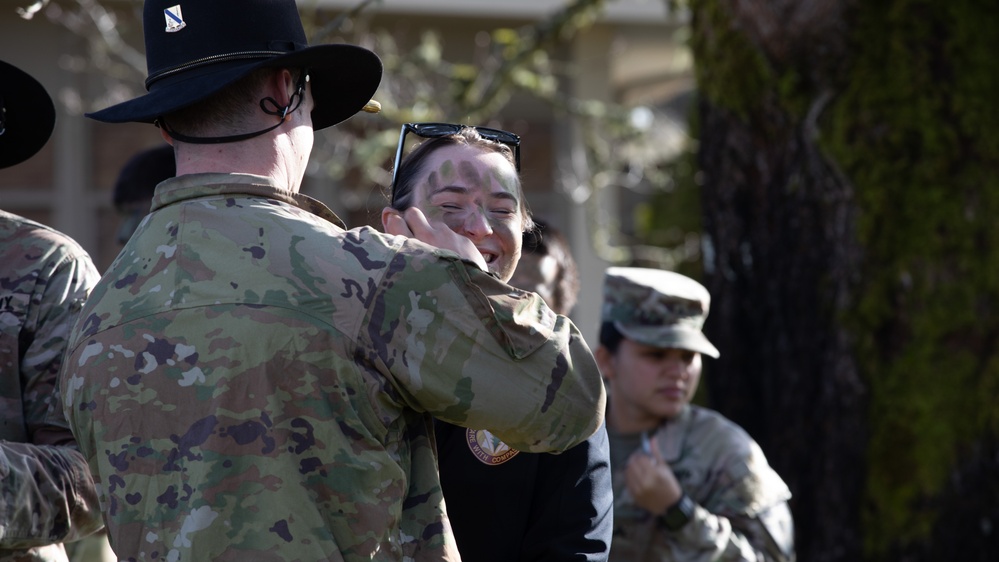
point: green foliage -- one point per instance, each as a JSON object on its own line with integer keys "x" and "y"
{"x": 420, "y": 84}
{"x": 737, "y": 75}
{"x": 672, "y": 217}
{"x": 915, "y": 131}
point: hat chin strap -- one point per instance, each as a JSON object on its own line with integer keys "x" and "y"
{"x": 275, "y": 109}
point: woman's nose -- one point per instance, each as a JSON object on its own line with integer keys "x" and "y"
{"x": 675, "y": 369}
{"x": 476, "y": 225}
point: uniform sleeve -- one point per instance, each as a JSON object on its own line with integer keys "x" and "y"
{"x": 572, "y": 513}
{"x": 748, "y": 539}
{"x": 47, "y": 492}
{"x": 746, "y": 519}
{"x": 475, "y": 352}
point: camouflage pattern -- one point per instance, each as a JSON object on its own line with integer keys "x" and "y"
{"x": 658, "y": 308}
{"x": 46, "y": 493}
{"x": 741, "y": 513}
{"x": 249, "y": 381}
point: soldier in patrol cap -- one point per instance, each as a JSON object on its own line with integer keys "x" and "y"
{"x": 252, "y": 381}
{"x": 689, "y": 484}
{"x": 46, "y": 494}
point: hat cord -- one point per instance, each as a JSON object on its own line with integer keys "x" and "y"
{"x": 280, "y": 112}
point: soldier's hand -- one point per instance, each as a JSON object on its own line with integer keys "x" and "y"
{"x": 651, "y": 482}
{"x": 412, "y": 223}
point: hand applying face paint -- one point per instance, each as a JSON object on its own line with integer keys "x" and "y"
{"x": 413, "y": 224}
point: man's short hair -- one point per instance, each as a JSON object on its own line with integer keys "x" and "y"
{"x": 227, "y": 112}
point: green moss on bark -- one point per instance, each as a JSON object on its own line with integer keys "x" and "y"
{"x": 738, "y": 75}
{"x": 915, "y": 131}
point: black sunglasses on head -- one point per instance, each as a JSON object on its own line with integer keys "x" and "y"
{"x": 437, "y": 130}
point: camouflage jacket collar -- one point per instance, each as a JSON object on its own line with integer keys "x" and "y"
{"x": 673, "y": 433}
{"x": 193, "y": 186}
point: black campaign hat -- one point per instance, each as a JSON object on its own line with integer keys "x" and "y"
{"x": 195, "y": 48}
{"x": 28, "y": 115}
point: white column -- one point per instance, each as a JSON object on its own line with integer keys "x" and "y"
{"x": 591, "y": 57}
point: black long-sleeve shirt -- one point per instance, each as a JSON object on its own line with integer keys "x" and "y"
{"x": 541, "y": 507}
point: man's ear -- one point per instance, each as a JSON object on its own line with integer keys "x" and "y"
{"x": 605, "y": 361}
{"x": 281, "y": 86}
{"x": 166, "y": 136}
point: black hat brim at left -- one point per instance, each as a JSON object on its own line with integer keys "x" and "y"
{"x": 28, "y": 115}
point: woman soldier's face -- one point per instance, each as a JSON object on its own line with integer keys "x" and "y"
{"x": 477, "y": 194}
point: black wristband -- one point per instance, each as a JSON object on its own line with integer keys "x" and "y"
{"x": 679, "y": 514}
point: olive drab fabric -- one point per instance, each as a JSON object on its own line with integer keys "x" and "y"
{"x": 254, "y": 382}
{"x": 741, "y": 513}
{"x": 46, "y": 493}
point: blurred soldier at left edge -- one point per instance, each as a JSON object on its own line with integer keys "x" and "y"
{"x": 47, "y": 496}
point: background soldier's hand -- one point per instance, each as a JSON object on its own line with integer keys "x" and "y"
{"x": 412, "y": 223}
{"x": 651, "y": 482}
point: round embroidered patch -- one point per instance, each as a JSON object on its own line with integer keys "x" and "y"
{"x": 488, "y": 448}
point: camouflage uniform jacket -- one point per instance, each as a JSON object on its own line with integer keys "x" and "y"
{"x": 249, "y": 381}
{"x": 741, "y": 512}
{"x": 46, "y": 493}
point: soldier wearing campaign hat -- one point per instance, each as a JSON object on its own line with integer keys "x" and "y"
{"x": 250, "y": 380}
{"x": 46, "y": 494}
{"x": 689, "y": 484}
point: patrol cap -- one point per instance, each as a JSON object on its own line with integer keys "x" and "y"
{"x": 658, "y": 308}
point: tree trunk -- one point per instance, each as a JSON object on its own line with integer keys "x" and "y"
{"x": 779, "y": 262}
{"x": 849, "y": 167}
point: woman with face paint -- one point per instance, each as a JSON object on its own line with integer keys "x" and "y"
{"x": 470, "y": 184}
{"x": 502, "y": 504}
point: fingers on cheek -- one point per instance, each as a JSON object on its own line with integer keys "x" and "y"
{"x": 402, "y": 226}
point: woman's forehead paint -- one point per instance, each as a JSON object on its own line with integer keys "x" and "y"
{"x": 446, "y": 169}
{"x": 469, "y": 173}
{"x": 507, "y": 182}
{"x": 436, "y": 181}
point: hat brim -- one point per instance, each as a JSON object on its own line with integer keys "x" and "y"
{"x": 29, "y": 115}
{"x": 669, "y": 337}
{"x": 343, "y": 79}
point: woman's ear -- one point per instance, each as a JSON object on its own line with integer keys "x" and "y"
{"x": 387, "y": 214}
{"x": 394, "y": 223}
